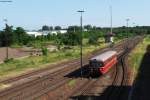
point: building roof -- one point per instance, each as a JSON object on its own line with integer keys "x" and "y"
{"x": 46, "y": 32}
{"x": 35, "y": 33}
{"x": 109, "y": 34}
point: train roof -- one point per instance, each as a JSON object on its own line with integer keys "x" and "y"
{"x": 104, "y": 56}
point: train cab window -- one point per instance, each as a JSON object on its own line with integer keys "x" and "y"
{"x": 96, "y": 64}
{"x": 100, "y": 64}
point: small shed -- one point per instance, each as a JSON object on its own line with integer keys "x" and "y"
{"x": 109, "y": 37}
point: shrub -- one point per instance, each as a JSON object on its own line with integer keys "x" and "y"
{"x": 7, "y": 60}
{"x": 68, "y": 54}
{"x": 44, "y": 51}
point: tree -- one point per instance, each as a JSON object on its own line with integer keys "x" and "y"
{"x": 7, "y": 36}
{"x": 73, "y": 29}
{"x": 57, "y": 28}
{"x": 88, "y": 27}
{"x": 20, "y": 36}
{"x": 71, "y": 38}
{"x": 51, "y": 28}
{"x": 93, "y": 38}
{"x": 94, "y": 27}
{"x": 45, "y": 28}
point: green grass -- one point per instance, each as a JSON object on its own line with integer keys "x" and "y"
{"x": 23, "y": 65}
{"x": 72, "y": 83}
{"x": 137, "y": 54}
{"x": 15, "y": 46}
{"x": 19, "y": 66}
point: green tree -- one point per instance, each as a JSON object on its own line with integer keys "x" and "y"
{"x": 51, "y": 28}
{"x": 20, "y": 36}
{"x": 45, "y": 28}
{"x": 57, "y": 28}
{"x": 94, "y": 37}
{"x": 88, "y": 27}
{"x": 73, "y": 29}
{"x": 6, "y": 36}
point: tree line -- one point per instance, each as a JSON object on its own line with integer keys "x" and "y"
{"x": 10, "y": 36}
{"x": 19, "y": 36}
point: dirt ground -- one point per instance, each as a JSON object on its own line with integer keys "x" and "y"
{"x": 13, "y": 53}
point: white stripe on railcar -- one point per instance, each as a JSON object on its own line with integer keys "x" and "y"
{"x": 104, "y": 56}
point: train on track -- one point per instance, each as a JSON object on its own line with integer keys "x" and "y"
{"x": 102, "y": 63}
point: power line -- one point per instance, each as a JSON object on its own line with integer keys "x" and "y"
{"x": 6, "y": 1}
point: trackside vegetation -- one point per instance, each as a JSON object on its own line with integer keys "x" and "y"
{"x": 137, "y": 54}
{"x": 17, "y": 37}
{"x": 20, "y": 66}
{"x": 68, "y": 45}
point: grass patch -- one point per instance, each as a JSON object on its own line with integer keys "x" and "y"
{"x": 136, "y": 56}
{"x": 4, "y": 86}
{"x": 16, "y": 46}
{"x": 20, "y": 66}
{"x": 72, "y": 83}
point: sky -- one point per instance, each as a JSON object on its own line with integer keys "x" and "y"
{"x": 33, "y": 14}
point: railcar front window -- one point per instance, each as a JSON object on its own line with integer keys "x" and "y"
{"x": 100, "y": 65}
{"x": 96, "y": 64}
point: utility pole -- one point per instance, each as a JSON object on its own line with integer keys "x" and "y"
{"x": 111, "y": 29}
{"x": 127, "y": 32}
{"x": 6, "y": 1}
{"x": 111, "y": 19}
{"x": 6, "y": 37}
{"x": 134, "y": 25}
{"x": 127, "y": 26}
{"x": 81, "y": 30}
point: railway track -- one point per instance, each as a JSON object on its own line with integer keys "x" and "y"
{"x": 119, "y": 91}
{"x": 120, "y": 79}
{"x": 115, "y": 90}
{"x": 38, "y": 84}
{"x": 88, "y": 84}
{"x": 88, "y": 90}
{"x": 51, "y": 67}
{"x": 32, "y": 85}
{"x": 92, "y": 87}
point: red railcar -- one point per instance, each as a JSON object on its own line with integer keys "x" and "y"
{"x": 103, "y": 62}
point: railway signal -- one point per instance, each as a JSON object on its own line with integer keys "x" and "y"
{"x": 81, "y": 30}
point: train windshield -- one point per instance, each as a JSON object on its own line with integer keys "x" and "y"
{"x": 96, "y": 64}
{"x": 100, "y": 64}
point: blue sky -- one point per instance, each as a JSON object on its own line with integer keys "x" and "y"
{"x": 32, "y": 14}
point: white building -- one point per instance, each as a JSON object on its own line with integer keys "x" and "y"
{"x": 63, "y": 31}
{"x": 59, "y": 31}
{"x": 35, "y": 34}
